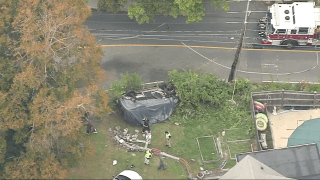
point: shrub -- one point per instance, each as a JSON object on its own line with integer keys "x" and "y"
{"x": 111, "y": 5}
{"x": 128, "y": 82}
{"x": 195, "y": 90}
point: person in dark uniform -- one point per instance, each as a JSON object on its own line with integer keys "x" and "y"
{"x": 146, "y": 125}
{"x": 162, "y": 164}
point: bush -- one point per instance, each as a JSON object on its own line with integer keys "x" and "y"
{"x": 111, "y": 5}
{"x": 128, "y": 82}
{"x": 195, "y": 90}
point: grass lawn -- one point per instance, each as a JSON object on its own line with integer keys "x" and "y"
{"x": 208, "y": 149}
{"x": 100, "y": 165}
{"x": 239, "y": 147}
{"x": 184, "y": 145}
{"x": 236, "y": 134}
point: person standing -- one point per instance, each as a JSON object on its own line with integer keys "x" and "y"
{"x": 147, "y": 157}
{"x": 148, "y": 137}
{"x": 146, "y": 125}
{"x": 168, "y": 138}
{"x": 162, "y": 164}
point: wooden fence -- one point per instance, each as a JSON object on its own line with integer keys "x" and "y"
{"x": 284, "y": 99}
{"x": 288, "y": 99}
{"x": 254, "y": 122}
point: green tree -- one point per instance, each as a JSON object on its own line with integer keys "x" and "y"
{"x": 111, "y": 5}
{"x": 144, "y": 11}
{"x": 128, "y": 82}
{"x": 192, "y": 9}
{"x": 196, "y": 90}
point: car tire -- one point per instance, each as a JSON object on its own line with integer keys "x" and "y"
{"x": 290, "y": 44}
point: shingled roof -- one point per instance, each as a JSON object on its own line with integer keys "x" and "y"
{"x": 298, "y": 162}
{"x": 250, "y": 168}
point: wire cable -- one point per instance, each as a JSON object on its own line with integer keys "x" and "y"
{"x": 252, "y": 72}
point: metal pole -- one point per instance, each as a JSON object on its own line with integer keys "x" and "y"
{"x": 282, "y": 98}
{"x": 236, "y": 57}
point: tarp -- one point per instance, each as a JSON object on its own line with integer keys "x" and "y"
{"x": 308, "y": 132}
{"x": 156, "y": 110}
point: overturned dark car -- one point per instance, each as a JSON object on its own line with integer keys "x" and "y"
{"x": 155, "y": 104}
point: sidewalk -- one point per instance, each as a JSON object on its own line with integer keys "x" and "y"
{"x": 93, "y": 4}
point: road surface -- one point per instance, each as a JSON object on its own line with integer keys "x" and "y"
{"x": 152, "y": 49}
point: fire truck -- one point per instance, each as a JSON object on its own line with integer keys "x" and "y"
{"x": 290, "y": 25}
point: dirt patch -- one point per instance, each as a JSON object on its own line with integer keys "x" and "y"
{"x": 283, "y": 125}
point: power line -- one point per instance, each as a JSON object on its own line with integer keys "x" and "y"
{"x": 253, "y": 72}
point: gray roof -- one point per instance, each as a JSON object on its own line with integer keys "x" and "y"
{"x": 299, "y": 162}
{"x": 250, "y": 168}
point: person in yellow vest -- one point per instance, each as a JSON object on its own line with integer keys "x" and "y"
{"x": 168, "y": 138}
{"x": 147, "y": 156}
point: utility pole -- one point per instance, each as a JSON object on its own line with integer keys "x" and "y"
{"x": 236, "y": 58}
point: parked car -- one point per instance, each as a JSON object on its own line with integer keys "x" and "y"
{"x": 128, "y": 175}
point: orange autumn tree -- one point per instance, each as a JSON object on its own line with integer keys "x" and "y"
{"x": 55, "y": 83}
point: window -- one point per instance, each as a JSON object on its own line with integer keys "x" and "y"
{"x": 303, "y": 30}
{"x": 293, "y": 16}
{"x": 281, "y": 31}
{"x": 292, "y": 10}
{"x": 271, "y": 28}
{"x": 293, "y": 31}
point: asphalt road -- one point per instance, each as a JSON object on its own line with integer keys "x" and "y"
{"x": 212, "y": 41}
{"x": 153, "y": 63}
{"x": 218, "y": 28}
